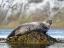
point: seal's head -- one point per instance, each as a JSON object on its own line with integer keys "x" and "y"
{"x": 48, "y": 22}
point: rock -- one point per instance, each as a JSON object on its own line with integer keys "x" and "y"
{"x": 33, "y": 37}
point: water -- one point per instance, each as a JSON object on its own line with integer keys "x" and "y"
{"x": 5, "y": 45}
{"x": 19, "y": 45}
{"x": 56, "y": 45}
{"x": 5, "y": 33}
{"x": 56, "y": 33}
{"x": 53, "y": 33}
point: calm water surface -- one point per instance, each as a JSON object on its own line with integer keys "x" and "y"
{"x": 53, "y": 33}
{"x": 6, "y": 45}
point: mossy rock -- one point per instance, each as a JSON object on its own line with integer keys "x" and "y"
{"x": 34, "y": 37}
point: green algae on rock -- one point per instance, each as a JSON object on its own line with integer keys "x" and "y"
{"x": 33, "y": 37}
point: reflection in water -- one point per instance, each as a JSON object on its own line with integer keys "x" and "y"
{"x": 57, "y": 45}
{"x": 4, "y": 45}
{"x": 19, "y": 45}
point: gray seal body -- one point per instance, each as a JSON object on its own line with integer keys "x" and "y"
{"x": 31, "y": 27}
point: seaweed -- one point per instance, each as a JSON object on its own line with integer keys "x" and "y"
{"x": 33, "y": 37}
